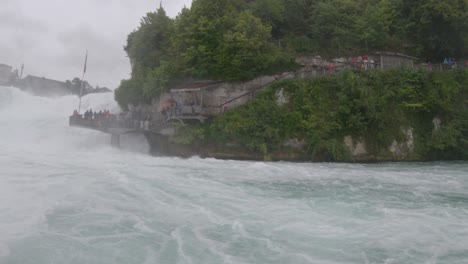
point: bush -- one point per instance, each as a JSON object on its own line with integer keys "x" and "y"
{"x": 375, "y": 106}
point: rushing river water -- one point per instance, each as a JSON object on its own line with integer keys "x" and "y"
{"x": 67, "y": 197}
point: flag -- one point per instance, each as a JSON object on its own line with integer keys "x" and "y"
{"x": 85, "y": 62}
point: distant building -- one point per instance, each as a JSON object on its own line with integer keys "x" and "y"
{"x": 42, "y": 86}
{"x": 389, "y": 60}
{"x": 5, "y": 74}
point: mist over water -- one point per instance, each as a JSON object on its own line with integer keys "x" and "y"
{"x": 67, "y": 197}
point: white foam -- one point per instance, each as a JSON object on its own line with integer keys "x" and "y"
{"x": 68, "y": 191}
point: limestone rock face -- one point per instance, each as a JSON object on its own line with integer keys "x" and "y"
{"x": 436, "y": 121}
{"x": 402, "y": 150}
{"x": 281, "y": 99}
{"x": 357, "y": 148}
{"x": 294, "y": 143}
{"x": 398, "y": 150}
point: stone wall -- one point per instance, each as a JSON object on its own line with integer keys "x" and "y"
{"x": 231, "y": 94}
{"x": 225, "y": 96}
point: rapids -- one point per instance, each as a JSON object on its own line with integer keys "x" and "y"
{"x": 67, "y": 197}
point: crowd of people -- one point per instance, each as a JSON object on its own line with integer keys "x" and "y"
{"x": 449, "y": 63}
{"x": 363, "y": 62}
{"x": 90, "y": 115}
{"x": 104, "y": 118}
{"x": 93, "y": 118}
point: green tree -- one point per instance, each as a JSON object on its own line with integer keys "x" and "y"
{"x": 271, "y": 12}
{"x": 223, "y": 40}
{"x": 374, "y": 27}
{"x": 436, "y": 29}
{"x": 129, "y": 92}
{"x": 75, "y": 86}
{"x": 158, "y": 80}
{"x": 334, "y": 26}
{"x": 244, "y": 46}
{"x": 150, "y": 43}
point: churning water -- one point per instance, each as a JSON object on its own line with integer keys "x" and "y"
{"x": 67, "y": 197}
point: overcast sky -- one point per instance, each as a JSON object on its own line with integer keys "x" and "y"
{"x": 51, "y": 36}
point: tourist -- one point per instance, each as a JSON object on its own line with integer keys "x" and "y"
{"x": 450, "y": 61}
{"x": 354, "y": 62}
{"x": 166, "y": 108}
{"x": 454, "y": 65}
{"x": 179, "y": 108}
{"x": 331, "y": 68}
{"x": 192, "y": 105}
{"x": 365, "y": 60}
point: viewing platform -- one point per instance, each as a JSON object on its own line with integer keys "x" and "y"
{"x": 126, "y": 123}
{"x": 109, "y": 126}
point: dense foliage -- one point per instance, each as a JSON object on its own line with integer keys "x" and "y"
{"x": 236, "y": 40}
{"x": 373, "y": 106}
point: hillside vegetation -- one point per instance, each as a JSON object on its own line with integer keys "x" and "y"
{"x": 373, "y": 106}
{"x": 234, "y": 40}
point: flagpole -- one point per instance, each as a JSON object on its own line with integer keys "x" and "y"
{"x": 82, "y": 81}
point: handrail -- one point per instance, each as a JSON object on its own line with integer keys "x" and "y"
{"x": 261, "y": 87}
{"x": 250, "y": 92}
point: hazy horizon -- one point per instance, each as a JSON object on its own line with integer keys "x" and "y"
{"x": 51, "y": 38}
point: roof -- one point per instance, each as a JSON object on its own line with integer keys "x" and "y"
{"x": 32, "y": 77}
{"x": 5, "y": 66}
{"x": 394, "y": 54}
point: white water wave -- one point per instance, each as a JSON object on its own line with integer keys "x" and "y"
{"x": 66, "y": 196}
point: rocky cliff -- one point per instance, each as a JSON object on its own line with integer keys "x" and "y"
{"x": 397, "y": 115}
